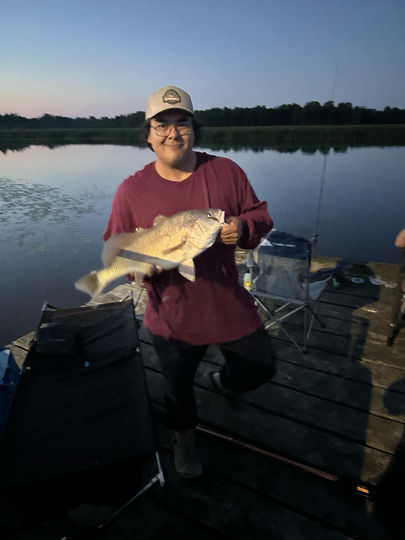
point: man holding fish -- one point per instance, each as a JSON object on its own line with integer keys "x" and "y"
{"x": 187, "y": 311}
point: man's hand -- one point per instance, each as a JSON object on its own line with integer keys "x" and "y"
{"x": 231, "y": 232}
{"x": 153, "y": 270}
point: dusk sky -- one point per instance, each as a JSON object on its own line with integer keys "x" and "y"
{"x": 104, "y": 57}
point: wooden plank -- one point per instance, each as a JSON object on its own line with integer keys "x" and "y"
{"x": 340, "y": 420}
{"x": 307, "y": 444}
{"x": 382, "y": 375}
{"x": 358, "y": 345}
{"x": 352, "y": 327}
{"x": 381, "y": 308}
{"x": 346, "y": 335}
{"x": 236, "y": 512}
{"x": 335, "y": 389}
{"x": 146, "y": 519}
{"x": 317, "y": 409}
{"x": 124, "y": 292}
{"x": 366, "y": 372}
{"x": 19, "y": 348}
{"x": 149, "y": 519}
{"x": 303, "y": 443}
{"x": 343, "y": 321}
{"x": 339, "y": 325}
{"x": 352, "y": 300}
{"x": 24, "y": 341}
{"x": 364, "y": 423}
{"x": 316, "y": 498}
{"x": 241, "y": 495}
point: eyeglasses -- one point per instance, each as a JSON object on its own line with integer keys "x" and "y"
{"x": 164, "y": 128}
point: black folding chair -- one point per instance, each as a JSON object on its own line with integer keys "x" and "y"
{"x": 79, "y": 429}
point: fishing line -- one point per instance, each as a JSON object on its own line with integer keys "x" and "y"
{"x": 318, "y": 210}
{"x": 325, "y": 159}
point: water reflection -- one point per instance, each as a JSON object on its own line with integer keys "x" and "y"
{"x": 21, "y": 201}
{"x": 292, "y": 148}
{"x": 29, "y": 214}
{"x": 217, "y": 140}
{"x": 304, "y": 148}
{"x": 21, "y": 145}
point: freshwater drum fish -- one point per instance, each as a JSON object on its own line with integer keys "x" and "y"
{"x": 172, "y": 242}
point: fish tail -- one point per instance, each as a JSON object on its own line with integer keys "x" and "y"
{"x": 90, "y": 284}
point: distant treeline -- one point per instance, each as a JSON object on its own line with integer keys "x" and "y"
{"x": 313, "y": 113}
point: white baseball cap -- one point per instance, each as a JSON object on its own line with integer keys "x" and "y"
{"x": 166, "y": 98}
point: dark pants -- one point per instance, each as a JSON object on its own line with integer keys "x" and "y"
{"x": 249, "y": 363}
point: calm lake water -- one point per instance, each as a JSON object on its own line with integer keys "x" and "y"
{"x": 54, "y": 204}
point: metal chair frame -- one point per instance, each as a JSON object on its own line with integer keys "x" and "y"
{"x": 282, "y": 245}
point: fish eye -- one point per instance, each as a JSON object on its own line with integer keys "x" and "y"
{"x": 209, "y": 214}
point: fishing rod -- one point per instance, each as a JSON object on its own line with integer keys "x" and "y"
{"x": 318, "y": 210}
{"x": 345, "y": 483}
{"x": 325, "y": 159}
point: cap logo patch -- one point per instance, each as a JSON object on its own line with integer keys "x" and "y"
{"x": 171, "y": 96}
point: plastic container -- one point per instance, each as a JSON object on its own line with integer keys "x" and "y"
{"x": 247, "y": 281}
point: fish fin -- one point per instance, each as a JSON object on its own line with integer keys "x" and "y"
{"x": 138, "y": 278}
{"x": 113, "y": 245}
{"x": 158, "y": 220}
{"x": 89, "y": 284}
{"x": 180, "y": 245}
{"x": 187, "y": 269}
{"x": 174, "y": 248}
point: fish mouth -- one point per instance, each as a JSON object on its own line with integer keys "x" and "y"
{"x": 218, "y": 216}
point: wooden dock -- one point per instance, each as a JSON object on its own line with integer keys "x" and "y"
{"x": 299, "y": 458}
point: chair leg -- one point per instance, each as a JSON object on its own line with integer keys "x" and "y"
{"x": 275, "y": 321}
{"x": 308, "y": 328}
{"x": 286, "y": 333}
{"x": 315, "y": 316}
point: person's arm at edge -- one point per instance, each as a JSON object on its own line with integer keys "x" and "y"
{"x": 400, "y": 239}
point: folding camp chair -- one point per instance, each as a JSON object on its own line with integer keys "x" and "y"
{"x": 284, "y": 261}
{"x": 79, "y": 429}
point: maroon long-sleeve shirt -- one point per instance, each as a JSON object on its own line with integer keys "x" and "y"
{"x": 216, "y": 307}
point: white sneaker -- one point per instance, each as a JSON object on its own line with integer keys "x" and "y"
{"x": 216, "y": 383}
